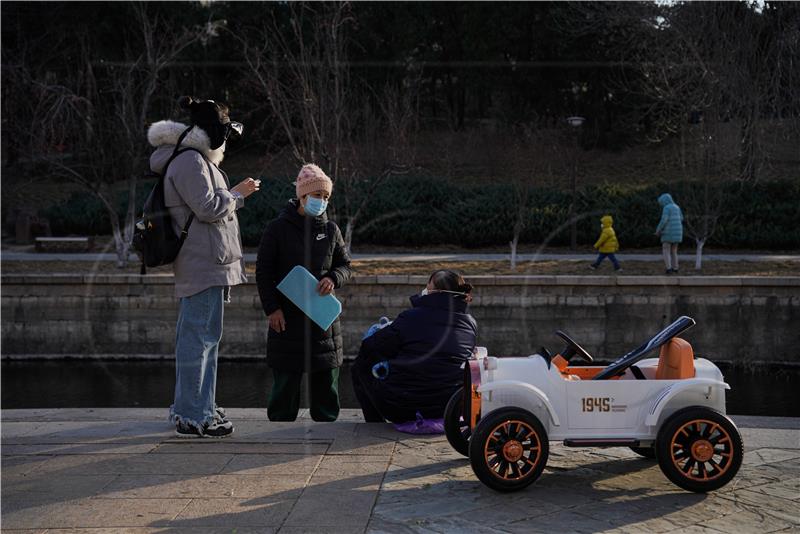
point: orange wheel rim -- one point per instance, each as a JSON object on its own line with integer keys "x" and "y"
{"x": 513, "y": 450}
{"x": 701, "y": 450}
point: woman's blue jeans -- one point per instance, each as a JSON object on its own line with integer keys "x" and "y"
{"x": 197, "y": 338}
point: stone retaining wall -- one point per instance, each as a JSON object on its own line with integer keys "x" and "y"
{"x": 739, "y": 319}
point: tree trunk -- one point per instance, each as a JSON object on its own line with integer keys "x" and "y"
{"x": 130, "y": 221}
{"x": 748, "y": 156}
{"x": 522, "y": 193}
{"x": 120, "y": 247}
{"x": 462, "y": 103}
{"x": 573, "y": 225}
{"x": 513, "y": 244}
{"x": 698, "y": 255}
{"x": 682, "y": 148}
{"x": 348, "y": 232}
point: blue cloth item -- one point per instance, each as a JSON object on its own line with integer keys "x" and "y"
{"x": 604, "y": 255}
{"x": 198, "y": 334}
{"x": 382, "y": 322}
{"x": 380, "y": 370}
{"x": 671, "y": 224}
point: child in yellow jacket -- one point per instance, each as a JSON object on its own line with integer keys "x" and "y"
{"x": 607, "y": 244}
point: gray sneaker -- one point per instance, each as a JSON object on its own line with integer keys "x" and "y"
{"x": 220, "y": 414}
{"x": 218, "y": 429}
{"x": 187, "y": 431}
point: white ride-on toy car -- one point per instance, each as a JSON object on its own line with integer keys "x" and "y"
{"x": 671, "y": 408}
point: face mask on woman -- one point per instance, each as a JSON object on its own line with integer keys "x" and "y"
{"x": 315, "y": 206}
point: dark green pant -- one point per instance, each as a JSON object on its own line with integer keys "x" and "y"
{"x": 323, "y": 388}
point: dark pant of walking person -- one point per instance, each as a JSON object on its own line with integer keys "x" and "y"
{"x": 323, "y": 389}
{"x": 670, "y": 253}
{"x": 604, "y": 255}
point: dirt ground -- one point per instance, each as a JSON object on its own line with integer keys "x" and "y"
{"x": 468, "y": 268}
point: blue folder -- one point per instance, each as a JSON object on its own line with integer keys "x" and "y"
{"x": 300, "y": 286}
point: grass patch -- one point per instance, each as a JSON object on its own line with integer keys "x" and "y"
{"x": 468, "y": 268}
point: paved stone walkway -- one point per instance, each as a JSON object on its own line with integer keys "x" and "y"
{"x": 121, "y": 470}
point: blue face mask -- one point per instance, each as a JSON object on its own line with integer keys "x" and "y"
{"x": 315, "y": 206}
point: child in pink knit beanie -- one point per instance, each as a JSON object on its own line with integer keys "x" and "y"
{"x": 311, "y": 179}
{"x": 302, "y": 235}
{"x": 313, "y": 189}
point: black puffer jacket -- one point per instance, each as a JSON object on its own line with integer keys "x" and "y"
{"x": 317, "y": 244}
{"x": 426, "y": 347}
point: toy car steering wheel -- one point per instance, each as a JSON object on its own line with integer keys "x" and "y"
{"x": 573, "y": 348}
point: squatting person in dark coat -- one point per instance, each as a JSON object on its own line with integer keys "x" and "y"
{"x": 425, "y": 347}
{"x": 302, "y": 235}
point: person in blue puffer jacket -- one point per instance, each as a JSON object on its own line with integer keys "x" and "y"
{"x": 419, "y": 356}
{"x": 670, "y": 229}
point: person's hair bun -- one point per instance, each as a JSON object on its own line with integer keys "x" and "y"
{"x": 185, "y": 102}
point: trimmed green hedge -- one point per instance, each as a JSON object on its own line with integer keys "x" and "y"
{"x": 413, "y": 211}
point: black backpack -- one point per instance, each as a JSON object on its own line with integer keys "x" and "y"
{"x": 154, "y": 240}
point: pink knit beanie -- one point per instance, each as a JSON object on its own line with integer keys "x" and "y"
{"x": 310, "y": 179}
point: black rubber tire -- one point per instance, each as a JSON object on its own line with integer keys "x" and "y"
{"x": 645, "y": 452}
{"x": 484, "y": 433}
{"x": 456, "y": 429}
{"x": 701, "y": 426}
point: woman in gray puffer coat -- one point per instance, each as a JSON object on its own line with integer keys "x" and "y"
{"x": 210, "y": 260}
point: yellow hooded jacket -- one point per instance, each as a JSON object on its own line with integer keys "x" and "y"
{"x": 607, "y": 243}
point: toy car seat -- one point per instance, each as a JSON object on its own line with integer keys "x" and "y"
{"x": 563, "y": 366}
{"x": 675, "y": 361}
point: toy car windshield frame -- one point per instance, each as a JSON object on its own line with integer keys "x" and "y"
{"x": 681, "y": 324}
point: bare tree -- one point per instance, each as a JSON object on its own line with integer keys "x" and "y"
{"x": 522, "y": 182}
{"x": 385, "y": 148}
{"x": 521, "y": 200}
{"x": 87, "y": 124}
{"x": 538, "y": 160}
{"x": 299, "y": 61}
{"x": 692, "y": 67}
{"x": 701, "y": 217}
{"x": 731, "y": 60}
{"x": 702, "y": 211}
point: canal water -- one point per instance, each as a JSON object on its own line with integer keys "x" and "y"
{"x": 763, "y": 390}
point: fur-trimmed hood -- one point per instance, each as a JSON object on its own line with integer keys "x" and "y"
{"x": 164, "y": 134}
